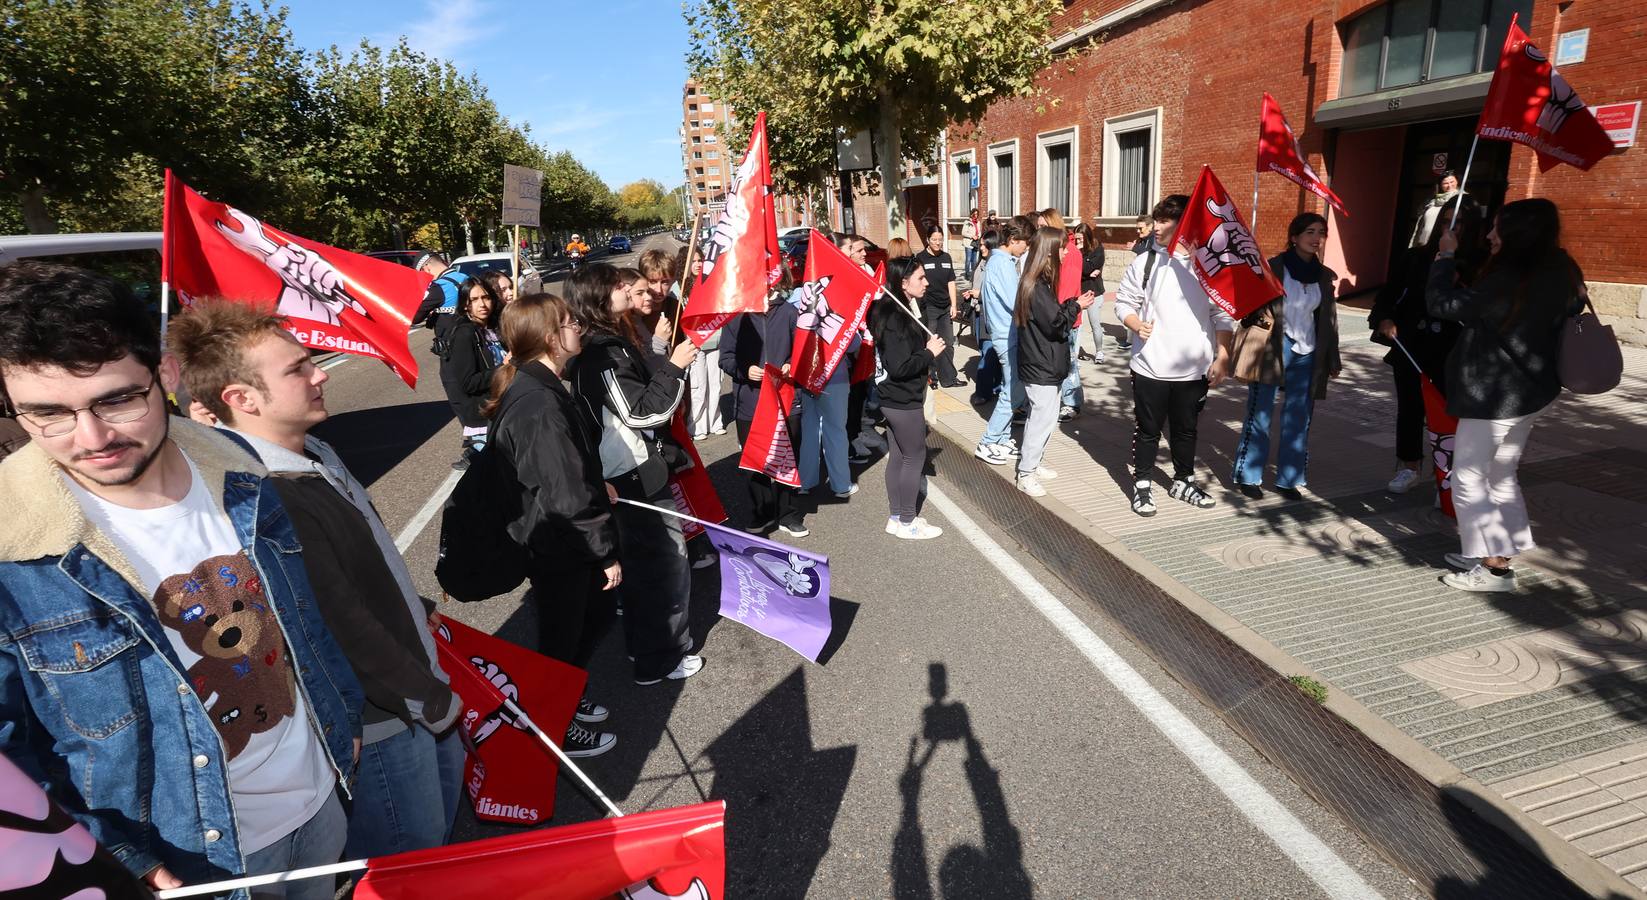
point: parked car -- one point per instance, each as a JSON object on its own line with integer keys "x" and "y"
{"x": 620, "y": 244}
{"x": 407, "y": 258}
{"x": 795, "y": 255}
{"x": 531, "y": 280}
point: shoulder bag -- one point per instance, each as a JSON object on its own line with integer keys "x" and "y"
{"x": 1591, "y": 361}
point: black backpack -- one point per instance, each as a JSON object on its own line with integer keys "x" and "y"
{"x": 478, "y": 558}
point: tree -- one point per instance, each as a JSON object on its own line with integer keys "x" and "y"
{"x": 905, "y": 68}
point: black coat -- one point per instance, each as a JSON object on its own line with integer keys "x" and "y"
{"x": 743, "y": 344}
{"x": 901, "y": 345}
{"x": 546, "y": 441}
{"x": 1402, "y": 301}
{"x": 1505, "y": 363}
{"x": 466, "y": 372}
{"x": 1092, "y": 260}
{"x": 1043, "y": 341}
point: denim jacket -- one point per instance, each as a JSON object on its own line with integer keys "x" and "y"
{"x": 94, "y": 702}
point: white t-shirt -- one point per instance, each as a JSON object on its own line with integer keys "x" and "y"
{"x": 210, "y": 599}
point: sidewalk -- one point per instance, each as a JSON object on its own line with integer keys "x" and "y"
{"x": 1540, "y": 696}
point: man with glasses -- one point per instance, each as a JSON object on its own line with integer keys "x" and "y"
{"x": 163, "y": 669}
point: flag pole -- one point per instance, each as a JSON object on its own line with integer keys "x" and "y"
{"x": 1253, "y": 225}
{"x": 1409, "y": 356}
{"x": 900, "y": 304}
{"x": 676, "y": 513}
{"x": 224, "y": 887}
{"x": 686, "y": 272}
{"x": 1464, "y": 182}
{"x": 562, "y": 757}
{"x": 165, "y": 255}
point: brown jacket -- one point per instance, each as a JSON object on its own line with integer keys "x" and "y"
{"x": 1326, "y": 362}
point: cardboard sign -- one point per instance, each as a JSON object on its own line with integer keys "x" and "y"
{"x": 522, "y": 195}
{"x": 1619, "y": 120}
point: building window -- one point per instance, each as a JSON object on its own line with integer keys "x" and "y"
{"x": 1132, "y": 164}
{"x": 714, "y": 154}
{"x": 692, "y": 124}
{"x": 691, "y": 107}
{"x": 963, "y": 197}
{"x": 1407, "y": 42}
{"x": 696, "y": 139}
{"x": 1003, "y": 178}
{"x": 1057, "y": 182}
{"x": 697, "y": 154}
{"x": 708, "y": 107}
{"x": 709, "y": 139}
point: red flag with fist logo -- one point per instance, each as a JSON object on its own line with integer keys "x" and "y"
{"x": 1223, "y": 254}
{"x": 1530, "y": 103}
{"x": 1278, "y": 152}
{"x": 511, "y": 776}
{"x": 332, "y": 299}
{"x": 741, "y": 258}
{"x": 833, "y": 302}
{"x": 770, "y": 449}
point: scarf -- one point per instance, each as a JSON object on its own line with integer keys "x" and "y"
{"x": 1302, "y": 271}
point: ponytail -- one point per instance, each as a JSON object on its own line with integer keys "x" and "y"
{"x": 502, "y": 377}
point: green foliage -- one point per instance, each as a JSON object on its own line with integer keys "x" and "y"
{"x": 98, "y": 97}
{"x": 647, "y": 203}
{"x": 905, "y": 67}
{"x": 1311, "y": 688}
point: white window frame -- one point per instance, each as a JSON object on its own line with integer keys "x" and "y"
{"x": 1043, "y": 168}
{"x": 709, "y": 139}
{"x": 1000, "y": 148}
{"x": 1147, "y": 119}
{"x": 706, "y": 106}
{"x": 959, "y": 192}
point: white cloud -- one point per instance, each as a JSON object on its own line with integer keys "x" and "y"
{"x": 444, "y": 27}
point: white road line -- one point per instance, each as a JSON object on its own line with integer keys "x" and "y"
{"x": 430, "y": 508}
{"x": 1314, "y": 858}
{"x": 334, "y": 363}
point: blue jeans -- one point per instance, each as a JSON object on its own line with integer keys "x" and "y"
{"x": 1011, "y": 396}
{"x": 1297, "y": 404}
{"x": 451, "y": 758}
{"x": 1069, "y": 393}
{"x": 398, "y": 798}
{"x": 317, "y": 842}
{"x": 971, "y": 259}
{"x": 823, "y": 421}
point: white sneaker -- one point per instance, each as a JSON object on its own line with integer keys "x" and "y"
{"x": 1480, "y": 580}
{"x": 1403, "y": 481}
{"x": 994, "y": 454}
{"x": 892, "y": 524}
{"x": 918, "y": 530}
{"x": 689, "y": 665}
{"x": 847, "y": 493}
{"x": 1031, "y": 485}
{"x": 1044, "y": 473}
{"x": 1461, "y": 562}
{"x": 721, "y": 430}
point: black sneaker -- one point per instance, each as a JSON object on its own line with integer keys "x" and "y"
{"x": 1250, "y": 491}
{"x": 1191, "y": 493}
{"x": 461, "y": 464}
{"x": 581, "y": 742}
{"x": 590, "y": 713}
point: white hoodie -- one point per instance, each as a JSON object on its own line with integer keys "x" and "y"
{"x": 1182, "y": 345}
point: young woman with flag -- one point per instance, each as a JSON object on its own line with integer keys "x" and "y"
{"x": 1043, "y": 359}
{"x": 634, "y": 404}
{"x": 1298, "y": 356}
{"x": 473, "y": 352}
{"x": 1502, "y": 375}
{"x": 904, "y": 354}
{"x": 549, "y": 444}
{"x": 743, "y": 359}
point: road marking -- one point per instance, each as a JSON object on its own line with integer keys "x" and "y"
{"x": 430, "y": 507}
{"x": 334, "y": 363}
{"x": 1313, "y": 857}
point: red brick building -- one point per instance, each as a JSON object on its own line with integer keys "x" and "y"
{"x": 1382, "y": 94}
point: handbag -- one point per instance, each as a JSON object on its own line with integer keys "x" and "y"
{"x": 1252, "y": 341}
{"x": 1591, "y": 361}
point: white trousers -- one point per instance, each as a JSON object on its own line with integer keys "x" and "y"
{"x": 1492, "y": 514}
{"x": 703, "y": 382}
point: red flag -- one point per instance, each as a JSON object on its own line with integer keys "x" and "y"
{"x": 1440, "y": 426}
{"x": 332, "y": 299}
{"x": 670, "y": 853}
{"x": 1530, "y": 103}
{"x": 770, "y": 449}
{"x": 513, "y": 777}
{"x": 741, "y": 259}
{"x": 1223, "y": 254}
{"x": 834, "y": 299}
{"x": 694, "y": 493}
{"x": 863, "y": 366}
{"x": 1069, "y": 274}
{"x": 1278, "y": 152}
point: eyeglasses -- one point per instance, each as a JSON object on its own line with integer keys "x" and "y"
{"x": 113, "y": 410}
{"x": 574, "y": 324}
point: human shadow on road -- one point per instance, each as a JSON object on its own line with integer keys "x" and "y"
{"x": 996, "y": 869}
{"x": 775, "y": 784}
{"x": 374, "y": 441}
{"x": 1510, "y": 863}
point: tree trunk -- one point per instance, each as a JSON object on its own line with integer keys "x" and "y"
{"x": 468, "y": 237}
{"x": 889, "y": 145}
{"x": 36, "y": 218}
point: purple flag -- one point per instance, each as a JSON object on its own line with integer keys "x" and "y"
{"x": 779, "y": 591}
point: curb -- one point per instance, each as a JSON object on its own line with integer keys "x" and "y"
{"x": 1446, "y": 830}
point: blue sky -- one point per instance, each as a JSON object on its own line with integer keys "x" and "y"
{"x": 601, "y": 78}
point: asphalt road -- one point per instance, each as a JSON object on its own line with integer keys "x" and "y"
{"x": 956, "y": 745}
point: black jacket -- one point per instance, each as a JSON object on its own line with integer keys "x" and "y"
{"x": 743, "y": 344}
{"x": 361, "y": 602}
{"x": 901, "y": 346}
{"x": 1043, "y": 341}
{"x": 548, "y": 443}
{"x": 1504, "y": 364}
{"x": 1402, "y": 301}
{"x": 466, "y": 372}
{"x": 634, "y": 406}
{"x": 1092, "y": 260}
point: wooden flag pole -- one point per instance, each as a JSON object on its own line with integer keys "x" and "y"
{"x": 514, "y": 261}
{"x": 686, "y": 272}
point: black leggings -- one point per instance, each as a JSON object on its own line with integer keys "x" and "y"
{"x": 1171, "y": 405}
{"x": 905, "y": 460}
{"x": 574, "y": 612}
